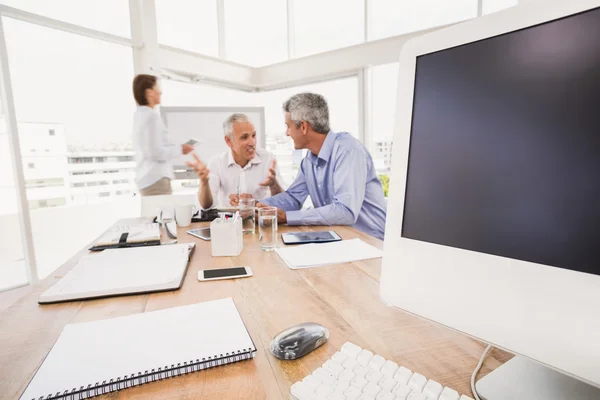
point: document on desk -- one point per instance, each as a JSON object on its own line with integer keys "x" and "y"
{"x": 94, "y": 358}
{"x": 122, "y": 271}
{"x": 318, "y": 254}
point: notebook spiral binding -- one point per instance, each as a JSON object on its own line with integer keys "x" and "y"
{"x": 153, "y": 375}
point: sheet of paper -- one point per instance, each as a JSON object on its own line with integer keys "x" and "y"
{"x": 317, "y": 254}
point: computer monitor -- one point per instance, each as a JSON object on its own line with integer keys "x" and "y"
{"x": 493, "y": 224}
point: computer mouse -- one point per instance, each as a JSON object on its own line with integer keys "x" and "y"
{"x": 298, "y": 341}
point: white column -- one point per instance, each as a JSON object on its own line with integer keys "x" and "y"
{"x": 221, "y": 29}
{"x": 13, "y": 139}
{"x": 290, "y": 30}
{"x": 144, "y": 37}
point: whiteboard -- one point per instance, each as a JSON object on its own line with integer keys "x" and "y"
{"x": 206, "y": 125}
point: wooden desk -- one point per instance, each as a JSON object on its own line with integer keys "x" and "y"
{"x": 344, "y": 298}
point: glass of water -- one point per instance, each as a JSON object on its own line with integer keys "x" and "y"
{"x": 246, "y": 208}
{"x": 267, "y": 228}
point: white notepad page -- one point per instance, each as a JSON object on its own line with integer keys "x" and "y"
{"x": 126, "y": 270}
{"x": 90, "y": 352}
{"x": 317, "y": 254}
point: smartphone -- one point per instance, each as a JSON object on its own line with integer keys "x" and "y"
{"x": 192, "y": 141}
{"x": 202, "y": 233}
{"x": 224, "y": 273}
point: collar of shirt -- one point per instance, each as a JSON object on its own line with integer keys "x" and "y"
{"x": 325, "y": 151}
{"x": 231, "y": 161}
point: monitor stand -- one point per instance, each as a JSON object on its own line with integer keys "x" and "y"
{"x": 523, "y": 379}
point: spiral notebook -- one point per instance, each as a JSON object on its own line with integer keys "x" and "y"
{"x": 94, "y": 358}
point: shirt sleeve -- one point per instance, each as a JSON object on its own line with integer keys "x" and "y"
{"x": 158, "y": 146}
{"x": 349, "y": 186}
{"x": 214, "y": 181}
{"x": 293, "y": 197}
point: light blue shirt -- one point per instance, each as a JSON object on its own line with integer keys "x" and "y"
{"x": 343, "y": 187}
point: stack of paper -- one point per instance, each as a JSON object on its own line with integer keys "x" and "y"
{"x": 317, "y": 254}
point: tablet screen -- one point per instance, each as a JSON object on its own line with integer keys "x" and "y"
{"x": 309, "y": 237}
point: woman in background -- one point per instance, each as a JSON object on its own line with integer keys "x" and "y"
{"x": 153, "y": 151}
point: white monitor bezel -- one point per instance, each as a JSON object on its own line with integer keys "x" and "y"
{"x": 548, "y": 314}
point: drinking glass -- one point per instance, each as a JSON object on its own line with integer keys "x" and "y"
{"x": 246, "y": 208}
{"x": 267, "y": 228}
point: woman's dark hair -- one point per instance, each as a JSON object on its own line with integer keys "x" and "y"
{"x": 140, "y": 83}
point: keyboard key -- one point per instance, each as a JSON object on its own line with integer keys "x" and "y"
{"x": 350, "y": 363}
{"x": 333, "y": 368}
{"x": 372, "y": 389}
{"x": 351, "y": 350}
{"x": 361, "y": 371}
{"x": 401, "y": 391}
{"x": 374, "y": 376}
{"x": 312, "y": 381}
{"x": 387, "y": 384}
{"x": 432, "y": 390}
{"x": 376, "y": 362}
{"x": 323, "y": 376}
{"x": 366, "y": 397}
{"x": 359, "y": 382}
{"x": 352, "y": 393}
{"x": 339, "y": 357}
{"x": 347, "y": 375}
{"x": 385, "y": 396}
{"x": 340, "y": 386}
{"x": 324, "y": 390}
{"x": 416, "y": 396}
{"x": 449, "y": 394}
{"x": 364, "y": 357}
{"x": 417, "y": 382}
{"x": 301, "y": 391}
{"x": 403, "y": 375}
{"x": 389, "y": 369}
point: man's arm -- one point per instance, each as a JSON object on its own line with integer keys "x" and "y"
{"x": 350, "y": 180}
{"x": 293, "y": 197}
{"x": 207, "y": 180}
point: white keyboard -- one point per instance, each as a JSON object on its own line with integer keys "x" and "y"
{"x": 357, "y": 374}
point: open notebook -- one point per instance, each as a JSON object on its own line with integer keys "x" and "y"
{"x": 122, "y": 271}
{"x": 129, "y": 235}
{"x": 94, "y": 358}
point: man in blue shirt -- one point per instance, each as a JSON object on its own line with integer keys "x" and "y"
{"x": 337, "y": 173}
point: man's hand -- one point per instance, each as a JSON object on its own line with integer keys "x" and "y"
{"x": 187, "y": 148}
{"x": 271, "y": 176}
{"x": 201, "y": 170}
{"x": 281, "y": 215}
{"x": 235, "y": 201}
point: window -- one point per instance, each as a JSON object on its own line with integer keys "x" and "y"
{"x": 110, "y": 16}
{"x": 104, "y": 194}
{"x": 342, "y": 99}
{"x": 188, "y": 25}
{"x": 100, "y": 159}
{"x": 491, "y": 6}
{"x": 384, "y": 86}
{"x": 254, "y": 36}
{"x": 31, "y": 165}
{"x": 13, "y": 267}
{"x": 69, "y": 61}
{"x": 78, "y": 184}
{"x": 327, "y": 25}
{"x": 51, "y": 132}
{"x": 396, "y": 17}
{"x": 124, "y": 158}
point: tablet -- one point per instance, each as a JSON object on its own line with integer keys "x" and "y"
{"x": 202, "y": 233}
{"x": 310, "y": 237}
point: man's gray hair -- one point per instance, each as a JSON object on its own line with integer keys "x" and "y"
{"x": 232, "y": 119}
{"x": 309, "y": 107}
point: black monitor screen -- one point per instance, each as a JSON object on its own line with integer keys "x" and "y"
{"x": 505, "y": 146}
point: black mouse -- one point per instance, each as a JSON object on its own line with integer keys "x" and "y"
{"x": 298, "y": 341}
